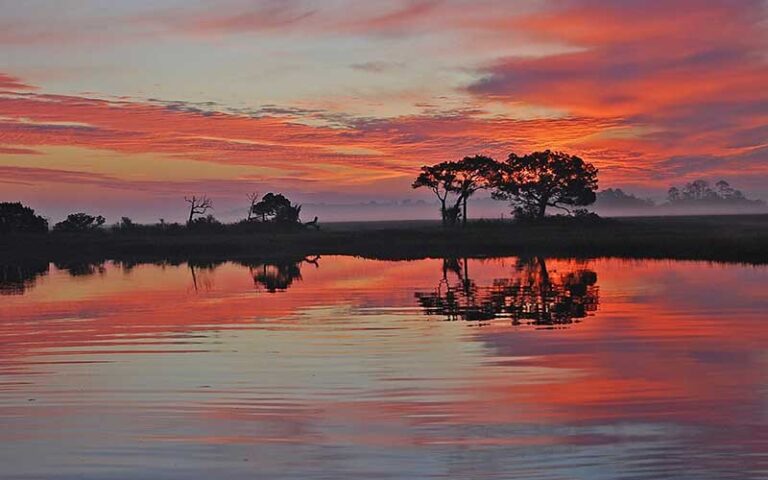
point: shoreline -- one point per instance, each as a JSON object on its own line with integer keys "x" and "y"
{"x": 737, "y": 238}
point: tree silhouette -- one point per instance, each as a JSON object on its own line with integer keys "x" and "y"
{"x": 18, "y": 218}
{"x": 532, "y": 295}
{"x": 79, "y": 222}
{"x": 253, "y": 198}
{"x": 197, "y": 206}
{"x": 439, "y": 179}
{"x": 539, "y": 180}
{"x": 277, "y": 208}
{"x": 617, "y": 198}
{"x": 454, "y": 182}
{"x": 699, "y": 192}
{"x": 473, "y": 174}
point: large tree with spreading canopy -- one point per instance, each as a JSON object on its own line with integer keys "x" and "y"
{"x": 539, "y": 180}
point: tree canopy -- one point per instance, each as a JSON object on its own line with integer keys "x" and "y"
{"x": 618, "y": 198}
{"x": 79, "y": 222}
{"x": 18, "y": 218}
{"x": 453, "y": 183}
{"x": 539, "y": 180}
{"x": 699, "y": 192}
{"x": 275, "y": 207}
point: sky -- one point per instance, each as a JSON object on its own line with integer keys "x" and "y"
{"x": 124, "y": 107}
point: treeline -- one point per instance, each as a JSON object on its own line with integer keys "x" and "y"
{"x": 272, "y": 212}
{"x": 693, "y": 196}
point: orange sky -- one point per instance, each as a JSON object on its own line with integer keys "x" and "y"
{"x": 131, "y": 105}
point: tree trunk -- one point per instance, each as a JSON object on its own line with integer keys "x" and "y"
{"x": 542, "y": 208}
{"x": 442, "y": 213}
{"x": 464, "y": 215}
{"x": 191, "y": 212}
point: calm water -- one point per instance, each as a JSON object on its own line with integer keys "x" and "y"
{"x": 347, "y": 368}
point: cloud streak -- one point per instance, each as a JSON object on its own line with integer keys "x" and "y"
{"x": 652, "y": 92}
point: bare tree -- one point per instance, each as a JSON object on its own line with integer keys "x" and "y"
{"x": 254, "y": 199}
{"x": 198, "y": 206}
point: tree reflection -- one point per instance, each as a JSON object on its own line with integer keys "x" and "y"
{"x": 81, "y": 268}
{"x": 279, "y": 275}
{"x": 533, "y": 295}
{"x": 201, "y": 271}
{"x": 16, "y": 278}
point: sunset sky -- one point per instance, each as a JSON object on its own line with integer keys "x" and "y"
{"x": 123, "y": 107}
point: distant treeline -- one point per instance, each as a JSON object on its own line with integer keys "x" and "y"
{"x": 694, "y": 196}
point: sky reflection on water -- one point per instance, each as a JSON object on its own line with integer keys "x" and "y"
{"x": 339, "y": 368}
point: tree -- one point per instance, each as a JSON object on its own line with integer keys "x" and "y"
{"x": 18, "y": 218}
{"x": 207, "y": 223}
{"x": 276, "y": 208}
{"x": 198, "y": 206}
{"x": 473, "y": 174}
{"x": 253, "y": 198}
{"x": 617, "y": 198}
{"x": 79, "y": 222}
{"x": 459, "y": 180}
{"x": 439, "y": 178}
{"x": 699, "y": 192}
{"x": 539, "y": 180}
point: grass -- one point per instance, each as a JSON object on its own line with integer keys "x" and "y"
{"x": 739, "y": 238}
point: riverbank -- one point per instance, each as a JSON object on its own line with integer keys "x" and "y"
{"x": 738, "y": 238}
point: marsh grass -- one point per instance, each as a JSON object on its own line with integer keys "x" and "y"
{"x": 742, "y": 238}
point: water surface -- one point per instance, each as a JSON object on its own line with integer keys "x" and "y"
{"x": 340, "y": 367}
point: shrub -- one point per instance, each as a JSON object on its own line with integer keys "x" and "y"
{"x": 18, "y": 218}
{"x": 79, "y": 222}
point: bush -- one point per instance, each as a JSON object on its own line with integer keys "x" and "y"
{"x": 206, "y": 224}
{"x": 18, "y": 218}
{"x": 79, "y": 222}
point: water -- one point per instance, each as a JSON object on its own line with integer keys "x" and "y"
{"x": 341, "y": 367}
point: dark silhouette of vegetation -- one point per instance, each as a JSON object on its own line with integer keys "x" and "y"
{"x": 539, "y": 180}
{"x": 16, "y": 278}
{"x": 79, "y": 222}
{"x": 276, "y": 208}
{"x": 439, "y": 178}
{"x": 733, "y": 238}
{"x": 453, "y": 183}
{"x": 617, "y": 198}
{"x": 531, "y": 183}
{"x": 253, "y": 198}
{"x": 198, "y": 206}
{"x": 532, "y": 295}
{"x": 18, "y": 218}
{"x": 473, "y": 174}
{"x": 207, "y": 223}
{"x": 313, "y": 224}
{"x": 699, "y": 192}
